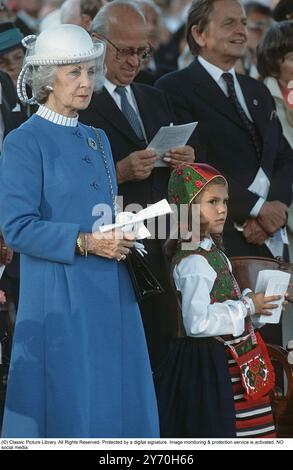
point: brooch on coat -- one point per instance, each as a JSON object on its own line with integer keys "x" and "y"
{"x": 92, "y": 143}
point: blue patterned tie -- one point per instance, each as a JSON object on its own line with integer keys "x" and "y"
{"x": 250, "y": 126}
{"x": 130, "y": 113}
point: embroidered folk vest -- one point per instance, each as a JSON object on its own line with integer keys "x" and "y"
{"x": 225, "y": 286}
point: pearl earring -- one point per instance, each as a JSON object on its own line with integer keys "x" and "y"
{"x": 48, "y": 87}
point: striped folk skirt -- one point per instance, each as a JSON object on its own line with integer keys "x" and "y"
{"x": 196, "y": 399}
{"x": 254, "y": 418}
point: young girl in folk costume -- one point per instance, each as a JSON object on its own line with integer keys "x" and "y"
{"x": 200, "y": 387}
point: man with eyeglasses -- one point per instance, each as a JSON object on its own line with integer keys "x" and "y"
{"x": 131, "y": 114}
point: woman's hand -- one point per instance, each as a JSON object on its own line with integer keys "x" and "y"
{"x": 6, "y": 254}
{"x": 263, "y": 304}
{"x": 114, "y": 244}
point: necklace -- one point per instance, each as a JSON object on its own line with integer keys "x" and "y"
{"x": 106, "y": 164}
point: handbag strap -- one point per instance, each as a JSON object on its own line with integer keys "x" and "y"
{"x": 251, "y": 334}
{"x": 248, "y": 319}
{"x": 107, "y": 168}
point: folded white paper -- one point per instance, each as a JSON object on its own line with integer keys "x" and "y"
{"x": 137, "y": 228}
{"x": 169, "y": 137}
{"x": 272, "y": 282}
{"x": 128, "y": 219}
{"x": 276, "y": 243}
{"x": 2, "y": 267}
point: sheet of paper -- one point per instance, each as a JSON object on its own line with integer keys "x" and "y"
{"x": 169, "y": 137}
{"x": 155, "y": 210}
{"x": 272, "y": 282}
{"x": 2, "y": 267}
{"x": 276, "y": 243}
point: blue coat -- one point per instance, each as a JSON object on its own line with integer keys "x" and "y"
{"x": 80, "y": 365}
{"x": 159, "y": 313}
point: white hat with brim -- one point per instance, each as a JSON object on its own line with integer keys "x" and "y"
{"x": 62, "y": 45}
{"x": 65, "y": 44}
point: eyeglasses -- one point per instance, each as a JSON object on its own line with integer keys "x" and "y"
{"x": 143, "y": 53}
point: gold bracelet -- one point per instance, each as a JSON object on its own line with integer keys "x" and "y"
{"x": 80, "y": 245}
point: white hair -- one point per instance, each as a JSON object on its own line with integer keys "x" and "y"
{"x": 41, "y": 79}
{"x": 150, "y": 3}
{"x": 100, "y": 23}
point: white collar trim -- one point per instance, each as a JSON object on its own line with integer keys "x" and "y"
{"x": 206, "y": 243}
{"x": 57, "y": 118}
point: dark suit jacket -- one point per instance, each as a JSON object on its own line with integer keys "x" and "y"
{"x": 155, "y": 111}
{"x": 222, "y": 140}
{"x": 8, "y": 103}
{"x": 159, "y": 312}
{"x": 24, "y": 28}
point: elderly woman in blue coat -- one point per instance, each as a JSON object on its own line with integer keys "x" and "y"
{"x": 79, "y": 365}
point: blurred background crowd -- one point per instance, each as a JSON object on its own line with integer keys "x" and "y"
{"x": 166, "y": 24}
{"x": 268, "y": 57}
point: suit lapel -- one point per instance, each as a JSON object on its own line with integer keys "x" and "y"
{"x": 106, "y": 106}
{"x": 147, "y": 118}
{"x": 208, "y": 90}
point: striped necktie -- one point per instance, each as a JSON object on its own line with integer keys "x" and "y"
{"x": 249, "y": 125}
{"x": 130, "y": 113}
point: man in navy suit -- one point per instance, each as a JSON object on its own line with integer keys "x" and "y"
{"x": 238, "y": 131}
{"x": 123, "y": 27}
{"x": 13, "y": 114}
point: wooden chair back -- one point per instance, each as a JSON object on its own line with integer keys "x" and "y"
{"x": 245, "y": 269}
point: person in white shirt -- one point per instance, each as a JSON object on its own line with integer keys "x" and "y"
{"x": 200, "y": 388}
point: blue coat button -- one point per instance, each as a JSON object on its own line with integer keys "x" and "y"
{"x": 87, "y": 159}
{"x": 77, "y": 133}
{"x": 95, "y": 185}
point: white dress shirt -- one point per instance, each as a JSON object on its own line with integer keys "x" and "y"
{"x": 111, "y": 88}
{"x": 216, "y": 73}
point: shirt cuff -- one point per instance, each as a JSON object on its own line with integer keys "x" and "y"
{"x": 257, "y": 207}
{"x": 249, "y": 303}
{"x": 246, "y": 291}
{"x": 238, "y": 321}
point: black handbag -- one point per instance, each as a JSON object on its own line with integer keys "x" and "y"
{"x": 144, "y": 282}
